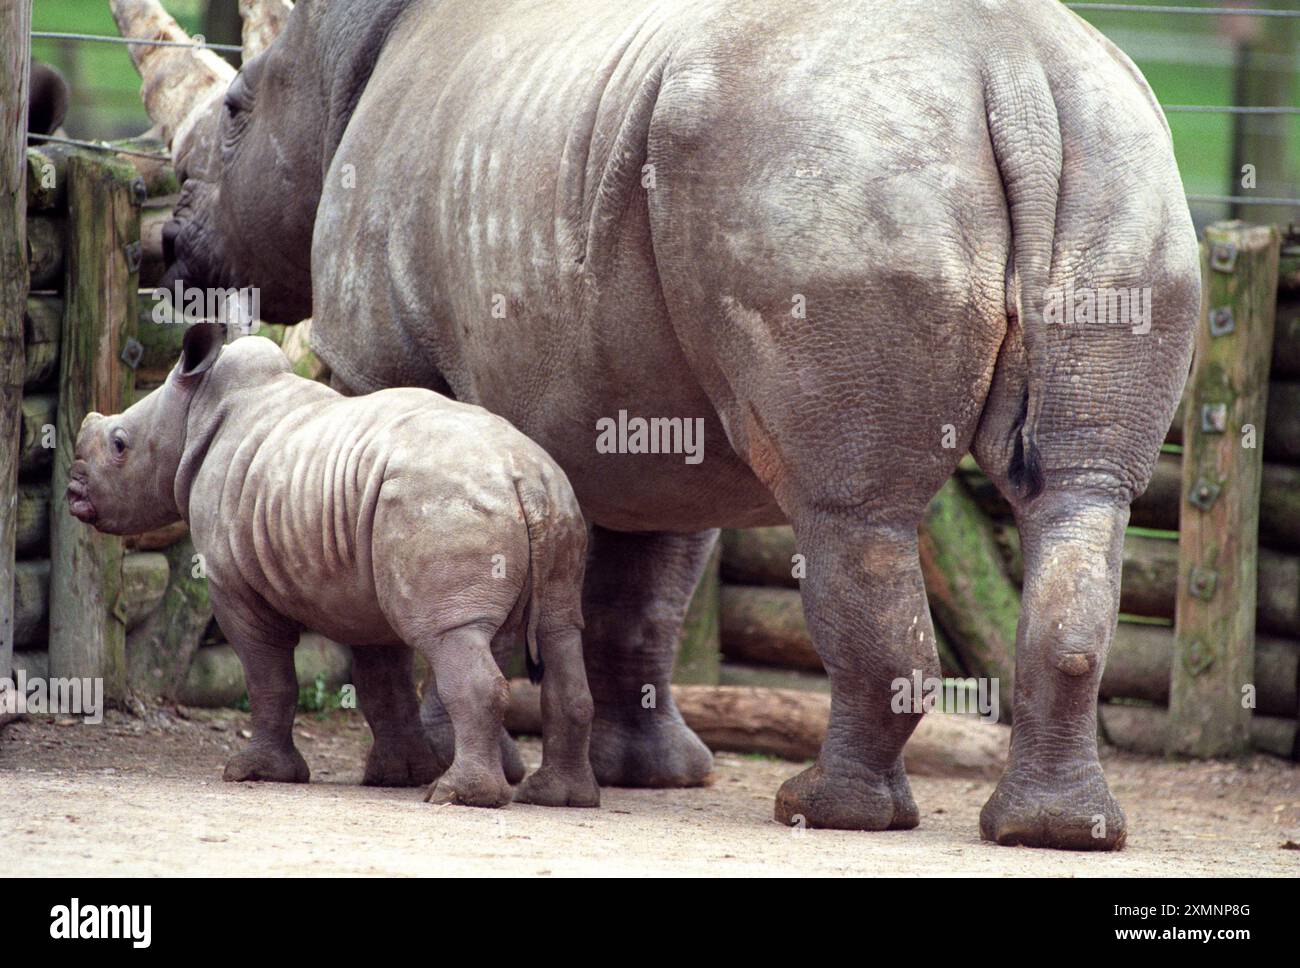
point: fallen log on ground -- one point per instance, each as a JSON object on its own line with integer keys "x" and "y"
{"x": 792, "y": 724}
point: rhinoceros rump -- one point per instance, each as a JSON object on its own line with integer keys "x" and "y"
{"x": 826, "y": 229}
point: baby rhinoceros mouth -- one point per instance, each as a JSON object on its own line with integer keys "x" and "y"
{"x": 79, "y": 503}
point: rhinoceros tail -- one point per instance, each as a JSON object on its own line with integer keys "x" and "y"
{"x": 535, "y": 517}
{"x": 1024, "y": 128}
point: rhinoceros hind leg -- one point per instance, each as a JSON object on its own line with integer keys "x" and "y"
{"x": 637, "y": 591}
{"x": 401, "y": 755}
{"x": 565, "y": 778}
{"x": 1054, "y": 793}
{"x": 475, "y": 695}
{"x": 864, "y": 599}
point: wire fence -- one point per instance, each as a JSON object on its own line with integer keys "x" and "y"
{"x": 1240, "y": 110}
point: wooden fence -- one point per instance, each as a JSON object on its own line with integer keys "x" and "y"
{"x": 1207, "y": 609}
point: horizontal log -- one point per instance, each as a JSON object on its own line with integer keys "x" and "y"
{"x": 770, "y": 677}
{"x": 159, "y": 539}
{"x": 47, "y": 167}
{"x": 216, "y": 677}
{"x": 1142, "y": 729}
{"x": 1150, "y": 577}
{"x": 34, "y": 519}
{"x": 144, "y": 579}
{"x": 1286, "y": 338}
{"x": 759, "y": 556}
{"x": 792, "y": 724}
{"x": 766, "y": 626}
{"x": 46, "y": 238}
{"x": 1141, "y": 659}
{"x": 1279, "y": 502}
{"x": 38, "y": 414}
{"x": 42, "y": 324}
{"x": 31, "y": 602}
{"x": 1282, "y": 423}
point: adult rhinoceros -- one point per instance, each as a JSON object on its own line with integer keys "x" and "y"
{"x": 837, "y": 232}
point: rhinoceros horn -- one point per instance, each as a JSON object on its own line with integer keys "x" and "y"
{"x": 263, "y": 19}
{"x": 178, "y": 83}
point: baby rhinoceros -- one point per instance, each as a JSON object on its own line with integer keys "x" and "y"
{"x": 392, "y": 521}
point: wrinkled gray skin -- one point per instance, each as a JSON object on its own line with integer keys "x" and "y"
{"x": 394, "y": 521}
{"x": 915, "y": 175}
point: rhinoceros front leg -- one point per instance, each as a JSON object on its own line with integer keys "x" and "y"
{"x": 1053, "y": 793}
{"x": 864, "y": 600}
{"x": 637, "y": 591}
{"x": 273, "y": 700}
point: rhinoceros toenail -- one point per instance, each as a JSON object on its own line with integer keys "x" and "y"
{"x": 1076, "y": 663}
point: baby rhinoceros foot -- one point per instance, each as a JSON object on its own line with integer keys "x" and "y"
{"x": 404, "y": 762}
{"x": 816, "y": 798}
{"x": 1070, "y": 812}
{"x": 551, "y": 787}
{"x": 267, "y": 764}
{"x": 470, "y": 788}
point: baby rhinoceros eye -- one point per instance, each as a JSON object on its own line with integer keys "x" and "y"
{"x": 118, "y": 442}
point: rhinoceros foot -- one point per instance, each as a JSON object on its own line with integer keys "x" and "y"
{"x": 470, "y": 788}
{"x": 552, "y": 787}
{"x": 818, "y": 798}
{"x": 403, "y": 762}
{"x": 654, "y": 753}
{"x": 266, "y": 763}
{"x": 1074, "y": 812}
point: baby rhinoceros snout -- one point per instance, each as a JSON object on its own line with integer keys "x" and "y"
{"x": 78, "y": 493}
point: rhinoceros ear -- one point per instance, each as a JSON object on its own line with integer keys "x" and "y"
{"x": 200, "y": 349}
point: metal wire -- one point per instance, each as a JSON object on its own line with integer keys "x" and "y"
{"x": 106, "y": 39}
{"x": 1244, "y": 200}
{"x": 1217, "y": 11}
{"x": 97, "y": 146}
{"x": 1226, "y": 109}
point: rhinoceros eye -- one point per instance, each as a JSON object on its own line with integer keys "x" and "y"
{"x": 119, "y": 443}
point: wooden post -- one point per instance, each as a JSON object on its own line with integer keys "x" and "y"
{"x": 15, "y": 26}
{"x": 87, "y": 612}
{"x": 1223, "y": 437}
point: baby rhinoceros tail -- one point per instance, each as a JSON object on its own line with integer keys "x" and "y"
{"x": 536, "y": 508}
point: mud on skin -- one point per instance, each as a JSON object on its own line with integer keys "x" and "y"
{"x": 647, "y": 187}
{"x": 397, "y": 521}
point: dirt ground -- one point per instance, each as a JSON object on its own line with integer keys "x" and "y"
{"x": 145, "y": 797}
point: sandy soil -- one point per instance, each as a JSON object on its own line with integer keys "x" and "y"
{"x": 144, "y": 797}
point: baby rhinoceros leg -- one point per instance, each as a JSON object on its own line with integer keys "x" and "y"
{"x": 475, "y": 695}
{"x": 401, "y": 755}
{"x": 565, "y": 778}
{"x": 273, "y": 700}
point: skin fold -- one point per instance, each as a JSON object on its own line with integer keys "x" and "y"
{"x": 825, "y": 229}
{"x": 395, "y": 521}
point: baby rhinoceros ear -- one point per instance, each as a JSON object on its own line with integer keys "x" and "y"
{"x": 200, "y": 349}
